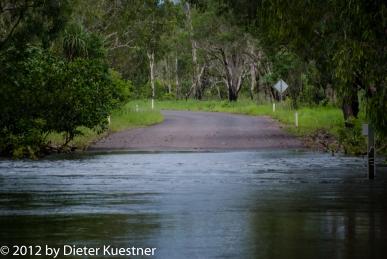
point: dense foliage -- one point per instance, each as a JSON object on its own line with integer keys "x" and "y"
{"x": 52, "y": 84}
{"x": 68, "y": 63}
{"x": 345, "y": 39}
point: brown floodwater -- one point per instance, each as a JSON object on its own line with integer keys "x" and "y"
{"x": 264, "y": 204}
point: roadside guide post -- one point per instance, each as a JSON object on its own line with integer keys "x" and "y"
{"x": 153, "y": 103}
{"x": 367, "y": 130}
{"x": 281, "y": 87}
{"x": 296, "y": 119}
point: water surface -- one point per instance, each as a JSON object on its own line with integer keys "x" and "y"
{"x": 274, "y": 204}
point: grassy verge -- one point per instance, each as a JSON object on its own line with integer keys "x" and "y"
{"x": 124, "y": 118}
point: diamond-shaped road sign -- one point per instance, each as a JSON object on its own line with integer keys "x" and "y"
{"x": 281, "y": 86}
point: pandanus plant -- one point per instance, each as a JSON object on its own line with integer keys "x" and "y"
{"x": 75, "y": 42}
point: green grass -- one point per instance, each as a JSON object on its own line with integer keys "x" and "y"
{"x": 124, "y": 118}
{"x": 311, "y": 119}
{"x": 128, "y": 117}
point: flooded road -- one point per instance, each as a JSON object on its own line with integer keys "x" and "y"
{"x": 279, "y": 204}
{"x": 202, "y": 131}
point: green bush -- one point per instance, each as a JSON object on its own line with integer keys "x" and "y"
{"x": 168, "y": 97}
{"x": 161, "y": 91}
{"x": 122, "y": 89}
{"x": 42, "y": 93}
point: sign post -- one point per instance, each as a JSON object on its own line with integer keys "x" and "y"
{"x": 371, "y": 153}
{"x": 281, "y": 87}
{"x": 367, "y": 130}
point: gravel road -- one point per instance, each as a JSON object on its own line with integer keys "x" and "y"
{"x": 185, "y": 130}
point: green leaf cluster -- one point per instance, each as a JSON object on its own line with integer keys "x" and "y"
{"x": 43, "y": 93}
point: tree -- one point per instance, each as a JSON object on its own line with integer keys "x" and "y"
{"x": 26, "y": 21}
{"x": 150, "y": 20}
{"x": 346, "y": 39}
{"x": 225, "y": 49}
{"x": 56, "y": 81}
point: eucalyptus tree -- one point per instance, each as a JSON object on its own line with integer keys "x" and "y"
{"x": 151, "y": 20}
{"x": 345, "y": 39}
{"x": 227, "y": 49}
{"x": 132, "y": 30}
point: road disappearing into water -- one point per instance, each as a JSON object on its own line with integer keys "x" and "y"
{"x": 185, "y": 130}
{"x": 265, "y": 197}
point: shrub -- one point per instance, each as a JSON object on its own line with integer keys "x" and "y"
{"x": 122, "y": 89}
{"x": 352, "y": 139}
{"x": 41, "y": 93}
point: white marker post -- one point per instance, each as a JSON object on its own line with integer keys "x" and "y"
{"x": 136, "y": 107}
{"x": 273, "y": 107}
{"x": 153, "y": 104}
{"x": 296, "y": 119}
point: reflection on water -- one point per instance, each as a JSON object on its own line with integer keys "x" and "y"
{"x": 198, "y": 205}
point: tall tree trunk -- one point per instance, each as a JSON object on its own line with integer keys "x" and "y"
{"x": 233, "y": 87}
{"x": 218, "y": 90}
{"x": 177, "y": 78}
{"x": 196, "y": 81}
{"x": 233, "y": 75}
{"x": 151, "y": 57}
{"x": 232, "y": 94}
{"x": 169, "y": 87}
{"x": 169, "y": 74}
{"x": 195, "y": 76}
{"x": 253, "y": 80}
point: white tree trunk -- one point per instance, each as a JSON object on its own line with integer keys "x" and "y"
{"x": 234, "y": 72}
{"x": 253, "y": 75}
{"x": 169, "y": 87}
{"x": 151, "y": 57}
{"x": 177, "y": 77}
{"x": 196, "y": 72}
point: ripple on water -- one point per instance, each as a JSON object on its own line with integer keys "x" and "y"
{"x": 278, "y": 204}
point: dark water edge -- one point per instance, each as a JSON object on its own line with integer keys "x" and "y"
{"x": 250, "y": 204}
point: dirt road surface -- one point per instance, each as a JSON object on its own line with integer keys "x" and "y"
{"x": 185, "y": 130}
